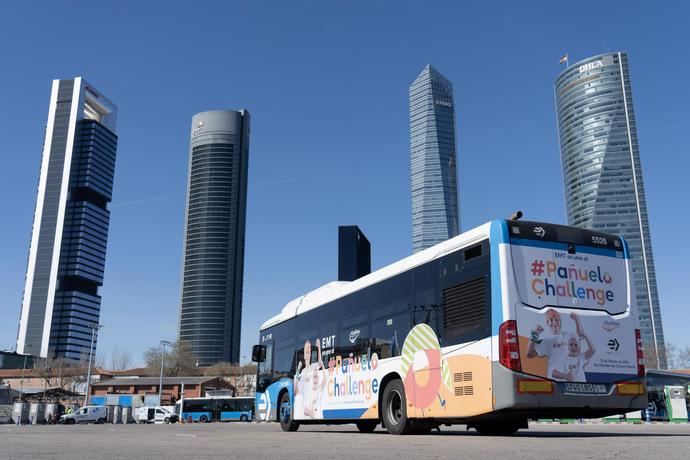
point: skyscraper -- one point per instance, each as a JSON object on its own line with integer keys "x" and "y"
{"x": 70, "y": 230}
{"x": 432, "y": 145}
{"x": 213, "y": 260}
{"x": 602, "y": 173}
{"x": 354, "y": 253}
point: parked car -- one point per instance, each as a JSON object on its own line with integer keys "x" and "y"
{"x": 156, "y": 414}
{"x": 86, "y": 414}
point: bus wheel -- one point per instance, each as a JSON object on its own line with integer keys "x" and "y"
{"x": 286, "y": 421}
{"x": 394, "y": 408}
{"x": 367, "y": 426}
{"x": 203, "y": 419}
{"x": 244, "y": 418}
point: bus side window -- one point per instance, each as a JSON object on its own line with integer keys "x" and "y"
{"x": 391, "y": 323}
{"x": 426, "y": 305}
{"x": 354, "y": 335}
{"x": 284, "y": 359}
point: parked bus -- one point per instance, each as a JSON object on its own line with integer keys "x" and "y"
{"x": 216, "y": 409}
{"x": 507, "y": 322}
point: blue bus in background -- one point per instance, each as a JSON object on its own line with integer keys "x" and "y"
{"x": 216, "y": 409}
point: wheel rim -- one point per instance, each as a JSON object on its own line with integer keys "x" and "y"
{"x": 395, "y": 407}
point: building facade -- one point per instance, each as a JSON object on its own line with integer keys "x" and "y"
{"x": 435, "y": 215}
{"x": 213, "y": 259}
{"x": 602, "y": 172}
{"x": 61, "y": 303}
{"x": 354, "y": 253}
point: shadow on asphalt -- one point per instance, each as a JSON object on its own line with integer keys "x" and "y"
{"x": 520, "y": 434}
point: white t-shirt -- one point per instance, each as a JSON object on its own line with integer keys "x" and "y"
{"x": 574, "y": 364}
{"x": 308, "y": 387}
{"x": 552, "y": 346}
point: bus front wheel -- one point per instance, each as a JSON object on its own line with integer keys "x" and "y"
{"x": 285, "y": 414}
{"x": 394, "y": 408}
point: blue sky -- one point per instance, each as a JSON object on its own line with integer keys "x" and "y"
{"x": 326, "y": 84}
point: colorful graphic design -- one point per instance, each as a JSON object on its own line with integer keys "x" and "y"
{"x": 576, "y": 345}
{"x": 423, "y": 368}
{"x": 554, "y": 277}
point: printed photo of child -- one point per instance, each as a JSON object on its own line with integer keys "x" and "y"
{"x": 309, "y": 384}
{"x": 552, "y": 344}
{"x": 570, "y": 366}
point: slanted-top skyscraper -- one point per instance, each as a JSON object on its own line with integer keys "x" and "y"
{"x": 61, "y": 304}
{"x": 435, "y": 215}
{"x": 602, "y": 173}
{"x": 213, "y": 260}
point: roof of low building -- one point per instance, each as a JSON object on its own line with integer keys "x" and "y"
{"x": 123, "y": 381}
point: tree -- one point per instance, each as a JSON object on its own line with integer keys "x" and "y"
{"x": 676, "y": 357}
{"x": 179, "y": 360}
{"x": 120, "y": 359}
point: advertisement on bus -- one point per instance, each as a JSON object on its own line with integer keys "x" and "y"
{"x": 574, "y": 321}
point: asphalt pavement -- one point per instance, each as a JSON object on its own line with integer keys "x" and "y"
{"x": 253, "y": 440}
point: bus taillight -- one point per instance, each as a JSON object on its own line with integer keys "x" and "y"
{"x": 509, "y": 347}
{"x": 640, "y": 353}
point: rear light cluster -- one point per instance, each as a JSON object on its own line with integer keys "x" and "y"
{"x": 509, "y": 347}
{"x": 640, "y": 353}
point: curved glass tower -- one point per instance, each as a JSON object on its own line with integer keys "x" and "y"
{"x": 432, "y": 147}
{"x": 213, "y": 260}
{"x": 602, "y": 174}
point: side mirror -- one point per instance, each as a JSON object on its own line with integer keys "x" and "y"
{"x": 259, "y": 353}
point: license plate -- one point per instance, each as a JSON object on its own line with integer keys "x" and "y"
{"x": 584, "y": 388}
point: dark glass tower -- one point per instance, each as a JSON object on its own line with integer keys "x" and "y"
{"x": 354, "y": 253}
{"x": 213, "y": 260}
{"x": 435, "y": 215}
{"x": 70, "y": 231}
{"x": 602, "y": 172}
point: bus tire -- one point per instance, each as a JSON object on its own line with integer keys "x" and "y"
{"x": 367, "y": 426}
{"x": 166, "y": 420}
{"x": 203, "y": 419}
{"x": 285, "y": 414}
{"x": 394, "y": 408}
{"x": 244, "y": 418}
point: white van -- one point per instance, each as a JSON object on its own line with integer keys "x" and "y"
{"x": 86, "y": 414}
{"x": 156, "y": 414}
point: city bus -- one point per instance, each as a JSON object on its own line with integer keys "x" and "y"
{"x": 215, "y": 409}
{"x": 510, "y": 321}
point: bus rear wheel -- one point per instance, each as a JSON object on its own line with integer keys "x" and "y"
{"x": 367, "y": 426}
{"x": 394, "y": 408}
{"x": 285, "y": 414}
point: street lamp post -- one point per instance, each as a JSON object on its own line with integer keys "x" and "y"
{"x": 160, "y": 385}
{"x": 94, "y": 329}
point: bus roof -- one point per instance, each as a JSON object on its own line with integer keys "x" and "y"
{"x": 337, "y": 289}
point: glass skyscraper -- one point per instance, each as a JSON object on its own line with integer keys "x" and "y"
{"x": 61, "y": 304}
{"x": 602, "y": 173}
{"x": 213, "y": 264}
{"x": 432, "y": 147}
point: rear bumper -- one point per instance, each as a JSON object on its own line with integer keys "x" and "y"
{"x": 555, "y": 403}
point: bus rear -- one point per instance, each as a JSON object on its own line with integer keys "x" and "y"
{"x": 570, "y": 342}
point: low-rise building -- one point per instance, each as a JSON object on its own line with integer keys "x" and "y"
{"x": 148, "y": 387}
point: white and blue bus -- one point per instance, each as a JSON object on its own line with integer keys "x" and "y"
{"x": 507, "y": 322}
{"x": 215, "y": 409}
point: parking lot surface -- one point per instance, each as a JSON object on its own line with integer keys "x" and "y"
{"x": 252, "y": 440}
